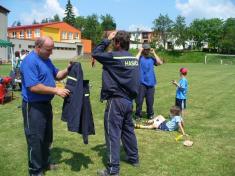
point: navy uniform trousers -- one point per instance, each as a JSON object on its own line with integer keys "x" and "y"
{"x": 39, "y": 135}
{"x": 118, "y": 125}
{"x": 146, "y": 92}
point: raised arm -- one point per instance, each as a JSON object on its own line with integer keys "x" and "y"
{"x": 158, "y": 60}
{"x": 139, "y": 53}
{"x": 99, "y": 51}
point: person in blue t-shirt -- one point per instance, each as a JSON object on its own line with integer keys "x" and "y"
{"x": 147, "y": 79}
{"x": 38, "y": 88}
{"x": 159, "y": 122}
{"x": 181, "y": 90}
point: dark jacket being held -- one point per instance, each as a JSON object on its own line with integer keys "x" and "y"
{"x": 76, "y": 107}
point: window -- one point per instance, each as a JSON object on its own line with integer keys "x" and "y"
{"x": 31, "y": 46}
{"x": 145, "y": 35}
{"x": 21, "y": 34}
{"x": 70, "y": 35}
{"x": 37, "y": 33}
{"x": 29, "y": 33}
{"x": 76, "y": 36}
{"x": 14, "y": 34}
{"x": 64, "y": 35}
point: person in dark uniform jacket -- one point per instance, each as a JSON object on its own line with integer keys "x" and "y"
{"x": 38, "y": 88}
{"x": 120, "y": 82}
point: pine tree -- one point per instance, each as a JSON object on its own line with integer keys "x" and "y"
{"x": 69, "y": 15}
{"x": 18, "y": 23}
{"x": 56, "y": 18}
{"x": 35, "y": 22}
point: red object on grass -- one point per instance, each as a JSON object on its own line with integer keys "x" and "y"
{"x": 3, "y": 88}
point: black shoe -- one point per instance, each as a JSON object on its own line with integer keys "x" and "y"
{"x": 135, "y": 164}
{"x": 105, "y": 173}
{"x": 52, "y": 167}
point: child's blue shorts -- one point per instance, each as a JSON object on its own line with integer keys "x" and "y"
{"x": 163, "y": 126}
{"x": 181, "y": 103}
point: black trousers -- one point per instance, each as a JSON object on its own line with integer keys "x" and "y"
{"x": 39, "y": 134}
{"x": 119, "y": 126}
{"x": 146, "y": 92}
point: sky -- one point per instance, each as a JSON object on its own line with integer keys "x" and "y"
{"x": 128, "y": 14}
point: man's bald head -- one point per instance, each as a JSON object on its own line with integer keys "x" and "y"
{"x": 44, "y": 46}
{"x": 39, "y": 42}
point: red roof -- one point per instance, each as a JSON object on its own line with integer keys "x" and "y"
{"x": 33, "y": 25}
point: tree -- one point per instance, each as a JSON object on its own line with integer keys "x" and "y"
{"x": 162, "y": 27}
{"x": 56, "y": 18}
{"x": 46, "y": 20}
{"x": 107, "y": 22}
{"x": 35, "y": 22}
{"x": 179, "y": 31}
{"x": 198, "y": 32}
{"x": 69, "y": 15}
{"x": 80, "y": 23}
{"x": 228, "y": 36}
{"x": 92, "y": 29}
{"x": 18, "y": 23}
{"x": 214, "y": 32}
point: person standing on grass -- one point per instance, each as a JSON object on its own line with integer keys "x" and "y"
{"x": 182, "y": 89}
{"x": 147, "y": 80}
{"x": 120, "y": 82}
{"x": 38, "y": 88}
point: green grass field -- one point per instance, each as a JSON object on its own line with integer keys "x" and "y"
{"x": 209, "y": 121}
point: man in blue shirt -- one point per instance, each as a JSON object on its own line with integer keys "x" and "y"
{"x": 120, "y": 82}
{"x": 38, "y": 88}
{"x": 147, "y": 79}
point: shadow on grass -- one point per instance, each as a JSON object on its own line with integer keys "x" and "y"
{"x": 77, "y": 161}
{"x": 143, "y": 115}
{"x": 101, "y": 150}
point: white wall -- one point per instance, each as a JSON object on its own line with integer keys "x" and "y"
{"x": 3, "y": 35}
{"x": 69, "y": 51}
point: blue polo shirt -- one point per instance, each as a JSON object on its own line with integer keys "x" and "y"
{"x": 36, "y": 70}
{"x": 147, "y": 74}
{"x": 181, "y": 92}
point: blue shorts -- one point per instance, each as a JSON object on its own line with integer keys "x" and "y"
{"x": 181, "y": 103}
{"x": 163, "y": 126}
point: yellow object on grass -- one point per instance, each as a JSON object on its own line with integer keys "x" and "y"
{"x": 178, "y": 137}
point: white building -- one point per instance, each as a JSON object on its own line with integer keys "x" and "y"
{"x": 139, "y": 37}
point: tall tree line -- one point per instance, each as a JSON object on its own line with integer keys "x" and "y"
{"x": 220, "y": 34}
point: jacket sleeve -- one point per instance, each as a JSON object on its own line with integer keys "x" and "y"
{"x": 100, "y": 55}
